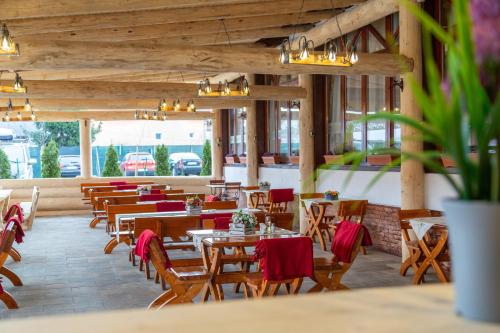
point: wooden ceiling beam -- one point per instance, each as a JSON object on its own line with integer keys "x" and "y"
{"x": 212, "y": 59}
{"x": 41, "y": 25}
{"x": 130, "y": 90}
{"x": 105, "y": 115}
{"x": 176, "y": 30}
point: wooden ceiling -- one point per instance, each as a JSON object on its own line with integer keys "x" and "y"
{"x": 104, "y": 44}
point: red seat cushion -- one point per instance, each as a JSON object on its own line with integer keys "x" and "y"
{"x": 281, "y": 195}
{"x": 222, "y": 223}
{"x": 170, "y": 206}
{"x": 143, "y": 247}
{"x": 152, "y": 197}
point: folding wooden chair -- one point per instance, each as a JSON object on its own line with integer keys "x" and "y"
{"x": 6, "y": 241}
{"x": 279, "y": 199}
{"x": 415, "y": 255}
{"x": 185, "y": 281}
{"x": 30, "y": 208}
{"x": 354, "y": 211}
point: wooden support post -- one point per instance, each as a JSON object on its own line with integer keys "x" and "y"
{"x": 412, "y": 172}
{"x": 306, "y": 134}
{"x": 217, "y": 155}
{"x": 251, "y": 138}
{"x": 85, "y": 149}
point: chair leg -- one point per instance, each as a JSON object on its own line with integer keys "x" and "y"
{"x": 405, "y": 266}
{"x": 363, "y": 250}
{"x": 163, "y": 298}
{"x": 147, "y": 270}
{"x": 14, "y": 254}
{"x": 8, "y": 300}
{"x": 16, "y": 281}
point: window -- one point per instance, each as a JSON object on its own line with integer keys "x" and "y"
{"x": 351, "y": 97}
{"x": 24, "y": 142}
{"x": 237, "y": 131}
{"x": 136, "y": 144}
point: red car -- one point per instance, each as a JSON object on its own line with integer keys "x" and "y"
{"x": 138, "y": 164}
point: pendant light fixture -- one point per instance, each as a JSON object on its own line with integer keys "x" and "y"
{"x": 7, "y": 45}
{"x": 17, "y": 87}
{"x": 21, "y": 112}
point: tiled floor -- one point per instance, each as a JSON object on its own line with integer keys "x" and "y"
{"x": 64, "y": 270}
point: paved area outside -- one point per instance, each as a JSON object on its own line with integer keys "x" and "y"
{"x": 64, "y": 270}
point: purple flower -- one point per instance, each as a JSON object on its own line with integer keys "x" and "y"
{"x": 486, "y": 29}
{"x": 445, "y": 87}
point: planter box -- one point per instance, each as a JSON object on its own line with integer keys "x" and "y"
{"x": 450, "y": 163}
{"x": 243, "y": 159}
{"x": 193, "y": 210}
{"x": 294, "y": 159}
{"x": 271, "y": 159}
{"x": 240, "y": 229}
{"x": 334, "y": 159}
{"x": 232, "y": 159}
{"x": 380, "y": 159}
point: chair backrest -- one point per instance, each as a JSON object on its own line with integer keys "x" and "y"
{"x": 7, "y": 237}
{"x": 250, "y": 188}
{"x": 230, "y": 204}
{"x": 280, "y": 220}
{"x": 112, "y": 210}
{"x": 309, "y": 195}
{"x": 184, "y": 196}
{"x": 279, "y": 199}
{"x": 217, "y": 182}
{"x": 405, "y": 214}
{"x": 115, "y": 200}
{"x": 257, "y": 200}
{"x": 176, "y": 227}
{"x": 34, "y": 206}
{"x": 352, "y": 210}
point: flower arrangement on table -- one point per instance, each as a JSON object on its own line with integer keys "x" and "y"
{"x": 193, "y": 204}
{"x": 244, "y": 222}
{"x": 331, "y": 195}
{"x": 265, "y": 185}
{"x": 144, "y": 189}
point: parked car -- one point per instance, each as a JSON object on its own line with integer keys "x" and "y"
{"x": 21, "y": 165}
{"x": 185, "y": 164}
{"x": 140, "y": 164}
{"x": 69, "y": 165}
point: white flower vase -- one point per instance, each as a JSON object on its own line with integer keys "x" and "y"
{"x": 474, "y": 237}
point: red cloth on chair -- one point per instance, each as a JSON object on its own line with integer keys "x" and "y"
{"x": 155, "y": 191}
{"x": 209, "y": 216}
{"x": 282, "y": 195}
{"x": 126, "y": 187}
{"x": 19, "y": 229}
{"x": 285, "y": 258}
{"x": 170, "y": 206}
{"x": 212, "y": 198}
{"x": 14, "y": 210}
{"x": 345, "y": 237}
{"x": 152, "y": 197}
{"x": 1, "y": 288}
{"x": 143, "y": 247}
{"x": 222, "y": 223}
{"x": 117, "y": 183}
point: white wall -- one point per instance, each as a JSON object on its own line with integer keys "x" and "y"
{"x": 278, "y": 177}
{"x": 236, "y": 174}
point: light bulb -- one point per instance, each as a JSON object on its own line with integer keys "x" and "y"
{"x": 164, "y": 116}
{"x": 146, "y": 115}
{"x": 354, "y": 57}
{"x": 155, "y": 115}
{"x": 136, "y": 115}
{"x": 27, "y": 105}
{"x": 304, "y": 54}
{"x": 6, "y": 43}
{"x": 33, "y": 117}
{"x": 163, "y": 104}
{"x": 177, "y": 105}
{"x": 7, "y": 117}
{"x": 19, "y": 116}
{"x": 227, "y": 88}
{"x": 332, "y": 55}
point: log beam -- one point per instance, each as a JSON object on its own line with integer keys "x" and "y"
{"x": 85, "y": 148}
{"x": 217, "y": 153}
{"x": 214, "y": 59}
{"x": 131, "y": 90}
{"x": 251, "y": 141}
{"x": 104, "y": 115}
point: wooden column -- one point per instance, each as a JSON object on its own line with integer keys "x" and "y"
{"x": 412, "y": 172}
{"x": 306, "y": 134}
{"x": 251, "y": 138}
{"x": 85, "y": 149}
{"x": 217, "y": 165}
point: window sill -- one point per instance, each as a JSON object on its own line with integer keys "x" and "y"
{"x": 366, "y": 167}
{"x": 280, "y": 166}
{"x": 235, "y": 165}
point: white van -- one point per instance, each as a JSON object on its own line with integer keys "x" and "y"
{"x": 21, "y": 166}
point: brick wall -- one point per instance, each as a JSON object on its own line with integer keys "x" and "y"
{"x": 383, "y": 225}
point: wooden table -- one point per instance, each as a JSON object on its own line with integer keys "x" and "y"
{"x": 433, "y": 252}
{"x": 216, "y": 188}
{"x": 376, "y": 310}
{"x": 4, "y": 201}
{"x": 212, "y": 252}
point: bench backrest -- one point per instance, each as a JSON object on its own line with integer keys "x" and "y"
{"x": 112, "y": 210}
{"x": 220, "y": 205}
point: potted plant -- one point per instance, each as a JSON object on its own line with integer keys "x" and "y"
{"x": 143, "y": 189}
{"x": 334, "y": 159}
{"x": 243, "y": 158}
{"x": 264, "y": 186}
{"x": 193, "y": 205}
{"x": 243, "y": 223}
{"x": 461, "y": 109}
{"x": 331, "y": 195}
{"x": 232, "y": 159}
{"x": 295, "y": 158}
{"x": 381, "y": 157}
{"x": 271, "y": 158}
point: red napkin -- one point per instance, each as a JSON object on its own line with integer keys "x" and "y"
{"x": 208, "y": 216}
{"x": 117, "y": 183}
{"x": 170, "y": 206}
{"x": 19, "y": 229}
{"x": 152, "y": 197}
{"x": 212, "y": 198}
{"x": 14, "y": 210}
{"x": 222, "y": 223}
{"x": 285, "y": 258}
{"x": 126, "y": 187}
{"x": 282, "y": 195}
{"x": 143, "y": 249}
{"x": 345, "y": 237}
{"x": 155, "y": 191}
{"x": 1, "y": 289}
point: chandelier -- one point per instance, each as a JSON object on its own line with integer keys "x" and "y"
{"x": 7, "y": 46}
{"x": 18, "y": 86}
{"x": 21, "y": 112}
{"x": 164, "y": 109}
{"x": 305, "y": 55}
{"x": 224, "y": 89}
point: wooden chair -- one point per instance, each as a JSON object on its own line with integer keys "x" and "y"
{"x": 328, "y": 272}
{"x": 279, "y": 198}
{"x": 30, "y": 208}
{"x": 219, "y": 205}
{"x": 415, "y": 255}
{"x": 258, "y": 200}
{"x": 353, "y": 210}
{"x": 185, "y": 281}
{"x": 7, "y": 239}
